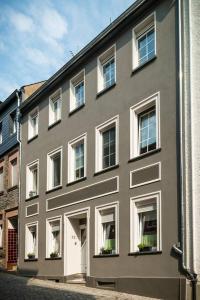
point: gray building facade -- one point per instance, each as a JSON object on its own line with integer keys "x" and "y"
{"x": 100, "y": 161}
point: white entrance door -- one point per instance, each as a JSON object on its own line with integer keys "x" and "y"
{"x": 83, "y": 229}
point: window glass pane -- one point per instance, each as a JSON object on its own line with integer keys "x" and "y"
{"x": 148, "y": 228}
{"x": 109, "y": 73}
{"x": 56, "y": 170}
{"x": 109, "y": 147}
{"x": 14, "y": 172}
{"x": 79, "y": 161}
{"x": 79, "y": 94}
{"x": 146, "y": 46}
{"x": 147, "y": 131}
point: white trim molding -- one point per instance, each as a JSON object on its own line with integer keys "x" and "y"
{"x": 55, "y": 97}
{"x": 27, "y": 243}
{"x": 74, "y": 82}
{"x": 98, "y": 229}
{"x": 143, "y": 168}
{"x": 31, "y": 115}
{"x": 29, "y": 176}
{"x": 135, "y": 111}
{"x": 113, "y": 122}
{"x": 82, "y": 139}
{"x": 143, "y": 200}
{"x": 27, "y": 216}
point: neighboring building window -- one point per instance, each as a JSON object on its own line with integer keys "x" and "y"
{"x": 1, "y": 235}
{"x": 144, "y": 41}
{"x": 13, "y": 122}
{"x": 145, "y": 126}
{"x": 145, "y": 223}
{"x": 1, "y": 133}
{"x": 54, "y": 237}
{"x": 55, "y": 107}
{"x": 31, "y": 241}
{"x": 32, "y": 179}
{"x": 77, "y": 91}
{"x": 106, "y": 69}
{"x": 107, "y": 229}
{"x": 33, "y": 124}
{"x": 1, "y": 178}
{"x": 77, "y": 158}
{"x": 54, "y": 169}
{"x": 107, "y": 144}
{"x": 14, "y": 172}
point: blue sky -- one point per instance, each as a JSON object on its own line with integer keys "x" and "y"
{"x": 37, "y": 36}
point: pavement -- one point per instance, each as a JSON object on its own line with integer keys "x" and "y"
{"x": 14, "y": 287}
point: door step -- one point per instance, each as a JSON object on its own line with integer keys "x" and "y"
{"x": 78, "y": 278}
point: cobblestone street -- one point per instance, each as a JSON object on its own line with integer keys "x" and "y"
{"x": 20, "y": 288}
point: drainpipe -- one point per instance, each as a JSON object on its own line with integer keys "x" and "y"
{"x": 190, "y": 274}
{"x": 19, "y": 180}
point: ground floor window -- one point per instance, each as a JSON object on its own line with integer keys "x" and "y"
{"x": 107, "y": 230}
{"x": 54, "y": 237}
{"x": 31, "y": 240}
{"x": 145, "y": 223}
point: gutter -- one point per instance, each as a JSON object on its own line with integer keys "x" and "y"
{"x": 189, "y": 274}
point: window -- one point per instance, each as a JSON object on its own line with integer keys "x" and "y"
{"x": 77, "y": 158}
{"x": 77, "y": 91}
{"x": 14, "y": 172}
{"x": 32, "y": 179}
{"x": 145, "y": 126}
{"x": 144, "y": 41}
{"x": 33, "y": 124}
{"x": 107, "y": 144}
{"x": 13, "y": 122}
{"x": 1, "y": 135}
{"x": 55, "y": 107}
{"x": 1, "y": 178}
{"x": 54, "y": 237}
{"x": 31, "y": 241}
{"x": 1, "y": 235}
{"x": 54, "y": 169}
{"x": 106, "y": 69}
{"x": 145, "y": 223}
{"x": 107, "y": 229}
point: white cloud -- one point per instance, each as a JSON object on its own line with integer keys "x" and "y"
{"x": 21, "y": 21}
{"x": 7, "y": 87}
{"x": 37, "y": 57}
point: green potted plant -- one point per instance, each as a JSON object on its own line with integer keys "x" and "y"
{"x": 144, "y": 247}
{"x": 54, "y": 254}
{"x": 31, "y": 255}
{"x": 106, "y": 250}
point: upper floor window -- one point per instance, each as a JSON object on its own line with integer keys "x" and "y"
{"x": 107, "y": 144}
{"x": 55, "y": 107}
{"x": 77, "y": 91}
{"x": 1, "y": 133}
{"x": 1, "y": 177}
{"x": 32, "y": 179}
{"x": 14, "y": 172}
{"x": 33, "y": 124}
{"x": 54, "y": 169}
{"x": 145, "y": 126}
{"x": 13, "y": 122}
{"x": 106, "y": 69}
{"x": 77, "y": 158}
{"x": 144, "y": 42}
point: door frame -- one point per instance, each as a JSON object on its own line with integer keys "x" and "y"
{"x": 67, "y": 215}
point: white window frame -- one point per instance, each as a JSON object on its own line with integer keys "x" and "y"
{"x": 48, "y": 228}
{"x": 98, "y": 142}
{"x": 135, "y": 110}
{"x": 11, "y": 171}
{"x": 30, "y": 126}
{"x": 76, "y": 80}
{"x": 140, "y": 29}
{"x": 134, "y": 220}
{"x": 56, "y": 96}
{"x": 26, "y": 237}
{"x": 105, "y": 57}
{"x": 49, "y": 168}
{"x": 71, "y": 161}
{"x": 98, "y": 225}
{"x": 28, "y": 176}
